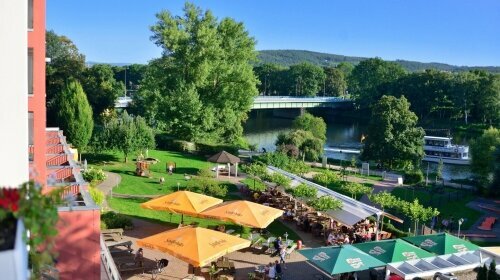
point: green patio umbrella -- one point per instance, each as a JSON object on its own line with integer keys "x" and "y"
{"x": 395, "y": 250}
{"x": 441, "y": 243}
{"x": 340, "y": 259}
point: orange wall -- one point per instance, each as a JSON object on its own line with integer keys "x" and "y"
{"x": 36, "y": 102}
{"x": 78, "y": 245}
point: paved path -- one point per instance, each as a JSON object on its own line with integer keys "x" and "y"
{"x": 486, "y": 213}
{"x": 106, "y": 186}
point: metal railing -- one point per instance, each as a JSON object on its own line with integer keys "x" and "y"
{"x": 108, "y": 262}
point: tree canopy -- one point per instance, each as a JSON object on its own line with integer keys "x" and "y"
{"x": 75, "y": 115}
{"x": 204, "y": 85}
{"x": 483, "y": 155}
{"x": 306, "y": 79}
{"x": 393, "y": 136}
{"x": 101, "y": 88}
{"x": 66, "y": 62}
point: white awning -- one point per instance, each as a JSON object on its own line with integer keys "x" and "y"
{"x": 352, "y": 211}
{"x": 427, "y": 267}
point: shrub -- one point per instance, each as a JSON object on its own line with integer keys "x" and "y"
{"x": 103, "y": 225}
{"x": 114, "y": 220}
{"x": 211, "y": 149}
{"x": 355, "y": 189}
{"x": 93, "y": 175}
{"x": 205, "y": 173}
{"x": 281, "y": 180}
{"x": 297, "y": 167}
{"x": 305, "y": 191}
{"x": 97, "y": 195}
{"x": 276, "y": 159}
{"x": 413, "y": 177}
{"x": 325, "y": 203}
{"x": 217, "y": 190}
{"x": 325, "y": 177}
{"x": 257, "y": 170}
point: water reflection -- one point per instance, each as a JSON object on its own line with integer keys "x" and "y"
{"x": 263, "y": 130}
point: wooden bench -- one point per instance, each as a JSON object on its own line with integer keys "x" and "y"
{"x": 127, "y": 244}
{"x": 112, "y": 230}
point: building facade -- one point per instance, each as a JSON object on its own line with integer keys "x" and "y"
{"x": 34, "y": 152}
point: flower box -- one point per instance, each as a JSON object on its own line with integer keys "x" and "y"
{"x": 14, "y": 261}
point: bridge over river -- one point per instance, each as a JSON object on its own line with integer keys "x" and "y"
{"x": 289, "y": 102}
{"x": 276, "y": 102}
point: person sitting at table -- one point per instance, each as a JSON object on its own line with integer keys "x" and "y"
{"x": 289, "y": 214}
{"x": 346, "y": 239}
{"x": 271, "y": 274}
{"x": 331, "y": 239}
{"x": 139, "y": 257}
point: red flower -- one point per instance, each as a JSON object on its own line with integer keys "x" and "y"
{"x": 9, "y": 199}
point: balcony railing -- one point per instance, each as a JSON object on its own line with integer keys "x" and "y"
{"x": 31, "y": 152}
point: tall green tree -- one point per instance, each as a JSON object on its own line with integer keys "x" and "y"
{"x": 75, "y": 115}
{"x": 335, "y": 82}
{"x": 66, "y": 62}
{"x": 370, "y": 79}
{"x": 306, "y": 79}
{"x": 128, "y": 134}
{"x": 273, "y": 80}
{"x": 101, "y": 88}
{"x": 483, "y": 159}
{"x": 393, "y": 136}
{"x": 203, "y": 86}
{"x": 308, "y": 122}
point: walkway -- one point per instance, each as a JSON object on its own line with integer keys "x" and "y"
{"x": 112, "y": 180}
{"x": 486, "y": 213}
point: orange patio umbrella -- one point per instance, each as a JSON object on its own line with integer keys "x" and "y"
{"x": 194, "y": 245}
{"x": 244, "y": 213}
{"x": 182, "y": 202}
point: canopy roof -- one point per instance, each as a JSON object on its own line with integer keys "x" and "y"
{"x": 337, "y": 260}
{"x": 394, "y": 250}
{"x": 224, "y": 157}
{"x": 182, "y": 202}
{"x": 441, "y": 243}
{"x": 194, "y": 245}
{"x": 244, "y": 213}
{"x": 352, "y": 211}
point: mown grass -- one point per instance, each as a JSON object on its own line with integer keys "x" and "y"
{"x": 449, "y": 202}
{"x": 186, "y": 164}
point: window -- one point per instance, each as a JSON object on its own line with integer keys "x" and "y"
{"x": 31, "y": 151}
{"x": 30, "y": 128}
{"x": 30, "y": 71}
{"x": 30, "y": 14}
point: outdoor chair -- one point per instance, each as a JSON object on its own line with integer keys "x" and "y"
{"x": 290, "y": 250}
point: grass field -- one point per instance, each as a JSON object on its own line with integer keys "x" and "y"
{"x": 185, "y": 165}
{"x": 450, "y": 202}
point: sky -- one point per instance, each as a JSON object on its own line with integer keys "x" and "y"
{"x": 459, "y": 32}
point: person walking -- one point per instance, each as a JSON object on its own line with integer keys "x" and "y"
{"x": 282, "y": 255}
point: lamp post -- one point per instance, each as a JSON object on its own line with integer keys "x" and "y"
{"x": 460, "y": 222}
{"x": 126, "y": 80}
{"x": 286, "y": 236}
{"x": 178, "y": 185}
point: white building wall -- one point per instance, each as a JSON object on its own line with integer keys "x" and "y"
{"x": 14, "y": 165}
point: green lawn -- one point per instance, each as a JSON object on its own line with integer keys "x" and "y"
{"x": 186, "y": 164}
{"x": 132, "y": 184}
{"x": 449, "y": 202}
{"x": 259, "y": 185}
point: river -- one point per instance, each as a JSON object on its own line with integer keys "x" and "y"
{"x": 263, "y": 129}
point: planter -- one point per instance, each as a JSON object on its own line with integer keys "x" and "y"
{"x": 14, "y": 258}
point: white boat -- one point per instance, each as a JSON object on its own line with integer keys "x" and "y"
{"x": 440, "y": 148}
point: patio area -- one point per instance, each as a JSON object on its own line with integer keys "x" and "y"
{"x": 245, "y": 260}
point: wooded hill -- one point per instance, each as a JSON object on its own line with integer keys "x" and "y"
{"x": 291, "y": 57}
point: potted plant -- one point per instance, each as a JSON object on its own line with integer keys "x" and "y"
{"x": 27, "y": 226}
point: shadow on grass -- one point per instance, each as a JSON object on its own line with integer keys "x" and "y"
{"x": 127, "y": 172}
{"x": 187, "y": 170}
{"x": 100, "y": 159}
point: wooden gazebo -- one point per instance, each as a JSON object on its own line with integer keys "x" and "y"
{"x": 226, "y": 158}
